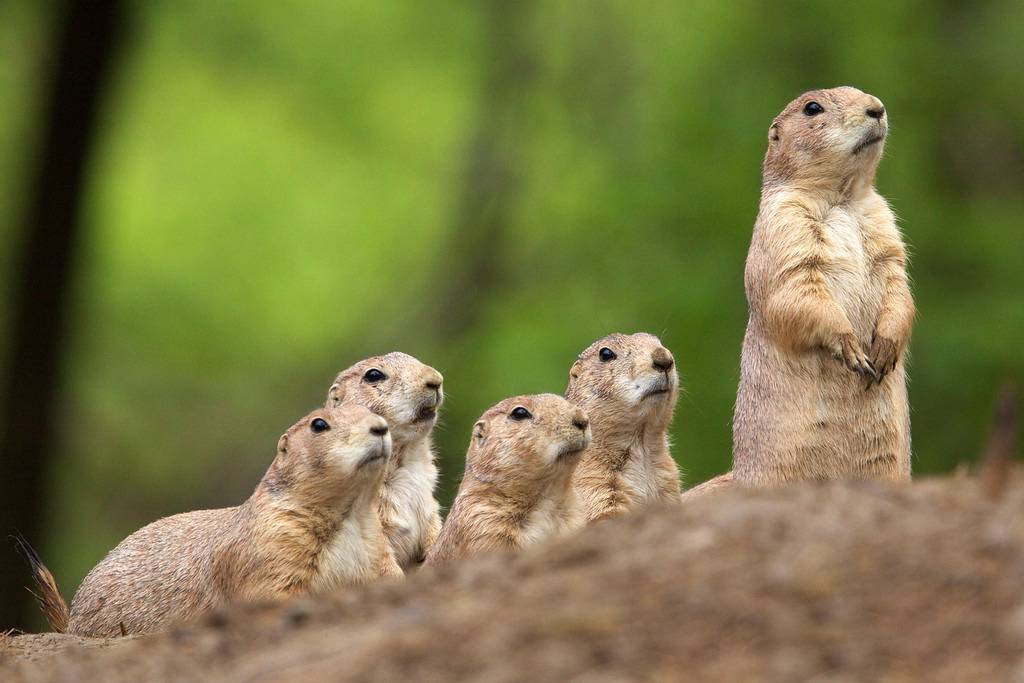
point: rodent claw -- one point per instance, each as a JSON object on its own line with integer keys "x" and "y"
{"x": 885, "y": 355}
{"x": 855, "y": 357}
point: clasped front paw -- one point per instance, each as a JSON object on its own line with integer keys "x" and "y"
{"x": 851, "y": 353}
{"x": 884, "y": 354}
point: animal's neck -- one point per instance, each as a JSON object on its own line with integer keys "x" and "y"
{"x": 556, "y": 510}
{"x": 563, "y": 495}
{"x": 313, "y": 524}
{"x": 830, "y": 190}
{"x": 411, "y": 452}
{"x": 614, "y": 446}
{"x": 514, "y": 502}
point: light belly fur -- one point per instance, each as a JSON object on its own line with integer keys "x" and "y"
{"x": 849, "y": 277}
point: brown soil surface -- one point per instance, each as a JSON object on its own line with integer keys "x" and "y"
{"x": 833, "y": 582}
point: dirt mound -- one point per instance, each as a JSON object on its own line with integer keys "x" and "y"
{"x": 834, "y": 582}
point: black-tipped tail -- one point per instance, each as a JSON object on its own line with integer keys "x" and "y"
{"x": 50, "y": 601}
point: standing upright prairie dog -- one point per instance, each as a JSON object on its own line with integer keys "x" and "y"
{"x": 517, "y": 488}
{"x": 407, "y": 394}
{"x": 628, "y": 385}
{"x": 310, "y": 526}
{"x": 822, "y": 391}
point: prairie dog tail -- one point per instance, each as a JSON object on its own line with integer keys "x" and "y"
{"x": 722, "y": 481}
{"x": 50, "y": 601}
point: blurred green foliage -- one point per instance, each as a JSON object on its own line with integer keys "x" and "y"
{"x": 280, "y": 190}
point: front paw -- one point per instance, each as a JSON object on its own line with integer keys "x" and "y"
{"x": 884, "y": 355}
{"x": 848, "y": 349}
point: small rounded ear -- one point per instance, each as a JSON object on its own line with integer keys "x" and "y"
{"x": 773, "y": 133}
{"x": 575, "y": 370}
{"x": 480, "y": 431}
{"x": 282, "y": 443}
{"x": 335, "y": 394}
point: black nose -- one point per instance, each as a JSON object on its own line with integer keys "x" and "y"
{"x": 580, "y": 423}
{"x": 433, "y": 385}
{"x": 378, "y": 431}
{"x": 662, "y": 360}
{"x": 875, "y": 112}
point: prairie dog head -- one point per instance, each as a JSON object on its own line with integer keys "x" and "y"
{"x": 396, "y": 386}
{"x": 525, "y": 441}
{"x": 623, "y": 379}
{"x": 830, "y": 135}
{"x": 331, "y": 451}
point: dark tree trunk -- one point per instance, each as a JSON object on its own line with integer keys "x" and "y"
{"x": 471, "y": 269}
{"x": 85, "y": 38}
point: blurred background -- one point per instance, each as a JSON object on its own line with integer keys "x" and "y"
{"x": 208, "y": 209}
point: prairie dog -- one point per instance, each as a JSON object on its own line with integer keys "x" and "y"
{"x": 822, "y": 391}
{"x": 311, "y": 525}
{"x": 628, "y": 385}
{"x": 517, "y": 488}
{"x": 407, "y": 394}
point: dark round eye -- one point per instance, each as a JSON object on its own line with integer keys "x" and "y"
{"x": 319, "y": 425}
{"x": 374, "y": 375}
{"x": 813, "y": 109}
{"x": 520, "y": 413}
{"x": 606, "y": 354}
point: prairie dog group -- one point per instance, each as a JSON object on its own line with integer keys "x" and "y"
{"x": 349, "y": 497}
{"x": 540, "y": 466}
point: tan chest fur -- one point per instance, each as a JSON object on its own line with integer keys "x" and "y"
{"x": 552, "y": 517}
{"x": 481, "y": 520}
{"x": 408, "y": 511}
{"x": 612, "y": 480}
{"x": 640, "y": 477}
{"x": 853, "y": 236}
{"x": 852, "y": 231}
{"x": 352, "y": 556}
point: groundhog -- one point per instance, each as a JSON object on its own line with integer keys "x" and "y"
{"x": 407, "y": 394}
{"x": 822, "y": 391}
{"x": 628, "y": 385}
{"x": 310, "y": 526}
{"x": 517, "y": 487}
